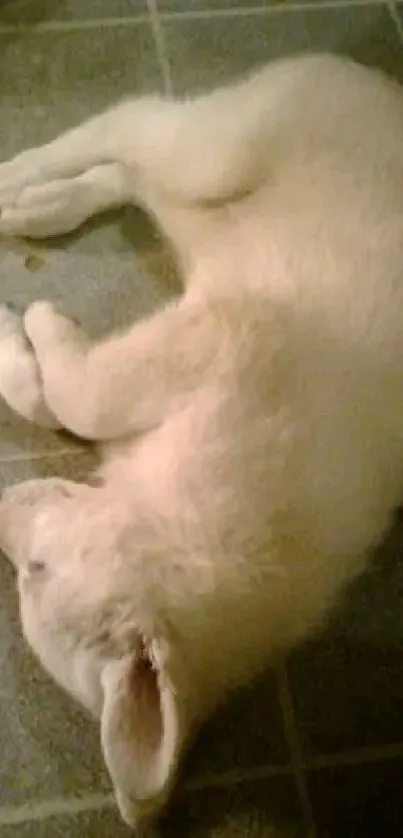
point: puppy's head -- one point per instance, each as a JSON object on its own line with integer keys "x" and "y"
{"x": 78, "y": 615}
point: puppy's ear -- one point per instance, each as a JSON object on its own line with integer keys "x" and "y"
{"x": 139, "y": 734}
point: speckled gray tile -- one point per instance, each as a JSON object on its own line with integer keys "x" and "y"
{"x": 347, "y": 685}
{"x": 399, "y": 11}
{"x": 102, "y": 290}
{"x": 246, "y": 733}
{"x": 19, "y": 439}
{"x": 47, "y": 746}
{"x": 364, "y": 800}
{"x": 259, "y": 810}
{"x": 207, "y": 52}
{"x": 75, "y": 466}
{"x": 104, "y": 823}
{"x": 31, "y": 12}
{"x": 49, "y": 82}
{"x": 347, "y": 696}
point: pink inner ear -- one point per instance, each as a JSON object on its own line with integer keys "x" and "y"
{"x": 146, "y": 695}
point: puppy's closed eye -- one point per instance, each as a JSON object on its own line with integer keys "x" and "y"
{"x": 34, "y": 566}
{"x": 32, "y": 572}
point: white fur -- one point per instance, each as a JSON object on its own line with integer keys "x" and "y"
{"x": 252, "y": 430}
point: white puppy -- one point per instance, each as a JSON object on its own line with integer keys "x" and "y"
{"x": 252, "y": 431}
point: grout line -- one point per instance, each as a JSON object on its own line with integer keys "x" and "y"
{"x": 293, "y": 741}
{"x": 159, "y": 39}
{"x": 71, "y": 25}
{"x": 394, "y": 14}
{"x": 158, "y": 17}
{"x": 11, "y": 815}
{"x": 358, "y": 757}
{"x": 238, "y": 776}
{"x": 279, "y": 9}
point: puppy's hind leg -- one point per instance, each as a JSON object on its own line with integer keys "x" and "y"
{"x": 62, "y": 205}
{"x": 53, "y": 188}
{"x": 197, "y": 151}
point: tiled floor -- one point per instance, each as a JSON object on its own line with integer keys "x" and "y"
{"x": 315, "y": 751}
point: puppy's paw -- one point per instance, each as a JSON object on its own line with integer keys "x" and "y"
{"x": 47, "y": 209}
{"x": 26, "y": 169}
{"x": 20, "y": 381}
{"x": 46, "y": 328}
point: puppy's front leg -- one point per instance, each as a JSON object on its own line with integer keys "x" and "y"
{"x": 127, "y": 383}
{"x": 20, "y": 384}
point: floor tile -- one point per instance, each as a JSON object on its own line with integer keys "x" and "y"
{"x": 399, "y": 9}
{"x": 246, "y": 810}
{"x": 347, "y": 696}
{"x": 365, "y": 801}
{"x": 20, "y": 439}
{"x": 47, "y": 746}
{"x": 50, "y": 82}
{"x": 101, "y": 823}
{"x": 247, "y": 732}
{"x": 103, "y": 289}
{"x": 347, "y": 685}
{"x": 31, "y": 12}
{"x": 207, "y": 52}
{"x": 190, "y": 6}
{"x": 255, "y": 810}
{"x": 75, "y": 466}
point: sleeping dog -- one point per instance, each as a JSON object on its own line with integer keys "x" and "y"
{"x": 251, "y": 431}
